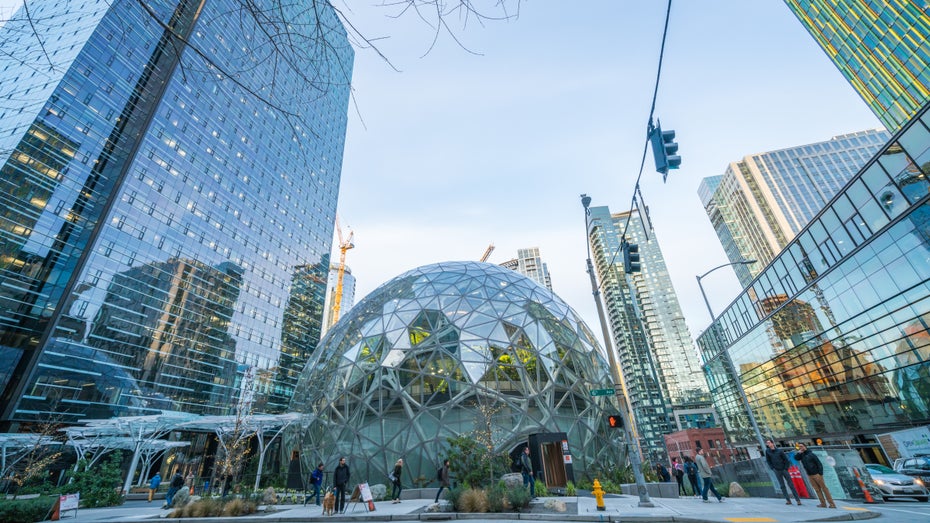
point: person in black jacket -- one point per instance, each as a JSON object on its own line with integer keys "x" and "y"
{"x": 814, "y": 469}
{"x": 779, "y": 463}
{"x": 341, "y": 478}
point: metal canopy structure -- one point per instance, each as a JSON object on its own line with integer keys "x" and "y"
{"x": 142, "y": 434}
{"x": 15, "y": 447}
{"x": 240, "y": 426}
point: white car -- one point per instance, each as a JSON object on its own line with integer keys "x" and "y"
{"x": 892, "y": 484}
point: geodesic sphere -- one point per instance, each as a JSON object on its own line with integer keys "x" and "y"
{"x": 444, "y": 350}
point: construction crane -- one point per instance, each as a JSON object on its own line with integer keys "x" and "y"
{"x": 344, "y": 245}
{"x": 487, "y": 253}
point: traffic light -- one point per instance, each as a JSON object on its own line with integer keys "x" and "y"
{"x": 615, "y": 422}
{"x": 631, "y": 258}
{"x": 664, "y": 149}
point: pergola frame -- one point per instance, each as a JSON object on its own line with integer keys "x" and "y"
{"x": 255, "y": 424}
{"x": 142, "y": 434}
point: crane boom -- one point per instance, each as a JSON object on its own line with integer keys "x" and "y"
{"x": 487, "y": 253}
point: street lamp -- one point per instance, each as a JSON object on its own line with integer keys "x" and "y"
{"x": 615, "y": 373}
{"x": 726, "y": 354}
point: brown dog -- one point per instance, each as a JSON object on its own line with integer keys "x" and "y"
{"x": 329, "y": 504}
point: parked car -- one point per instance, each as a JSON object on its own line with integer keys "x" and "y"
{"x": 918, "y": 467}
{"x": 892, "y": 484}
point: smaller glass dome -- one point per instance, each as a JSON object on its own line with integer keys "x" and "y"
{"x": 419, "y": 358}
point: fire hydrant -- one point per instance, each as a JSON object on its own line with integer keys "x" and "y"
{"x": 598, "y": 495}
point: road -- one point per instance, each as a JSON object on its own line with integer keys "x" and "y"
{"x": 902, "y": 511}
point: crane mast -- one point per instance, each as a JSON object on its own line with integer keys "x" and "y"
{"x": 343, "y": 247}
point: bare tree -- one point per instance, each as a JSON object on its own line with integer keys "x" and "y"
{"x": 289, "y": 36}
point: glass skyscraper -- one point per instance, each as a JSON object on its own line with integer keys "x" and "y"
{"x": 530, "y": 264}
{"x": 657, "y": 355}
{"x": 831, "y": 339}
{"x": 168, "y": 184}
{"x": 762, "y": 201}
{"x": 879, "y": 46}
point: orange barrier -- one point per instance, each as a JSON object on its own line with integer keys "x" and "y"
{"x": 868, "y": 496}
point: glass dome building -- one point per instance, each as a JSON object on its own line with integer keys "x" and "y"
{"x": 421, "y": 357}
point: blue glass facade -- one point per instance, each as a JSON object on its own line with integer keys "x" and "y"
{"x": 832, "y": 339}
{"x": 167, "y": 210}
{"x": 765, "y": 199}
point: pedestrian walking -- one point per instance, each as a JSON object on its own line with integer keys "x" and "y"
{"x": 341, "y": 477}
{"x": 153, "y": 485}
{"x": 679, "y": 472}
{"x": 814, "y": 469}
{"x": 706, "y": 476}
{"x": 692, "y": 472}
{"x": 177, "y": 483}
{"x": 443, "y": 477}
{"x": 779, "y": 463}
{"x": 526, "y": 467}
{"x": 316, "y": 481}
{"x": 395, "y": 480}
{"x": 189, "y": 483}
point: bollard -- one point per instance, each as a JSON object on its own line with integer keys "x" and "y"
{"x": 598, "y": 495}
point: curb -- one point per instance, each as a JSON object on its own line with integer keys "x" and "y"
{"x": 453, "y": 516}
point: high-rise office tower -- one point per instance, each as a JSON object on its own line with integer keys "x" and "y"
{"x": 880, "y": 47}
{"x": 530, "y": 264}
{"x": 765, "y": 199}
{"x": 657, "y": 355}
{"x": 168, "y": 185}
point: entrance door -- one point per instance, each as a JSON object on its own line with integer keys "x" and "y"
{"x": 553, "y": 464}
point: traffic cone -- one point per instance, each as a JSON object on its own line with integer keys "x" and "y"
{"x": 868, "y": 496}
{"x": 371, "y": 505}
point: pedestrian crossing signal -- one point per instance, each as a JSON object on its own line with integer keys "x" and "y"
{"x": 615, "y": 422}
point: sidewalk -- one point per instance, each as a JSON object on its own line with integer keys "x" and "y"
{"x": 582, "y": 509}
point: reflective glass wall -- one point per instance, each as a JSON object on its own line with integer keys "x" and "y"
{"x": 167, "y": 209}
{"x": 831, "y": 340}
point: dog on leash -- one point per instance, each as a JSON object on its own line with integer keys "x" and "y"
{"x": 329, "y": 504}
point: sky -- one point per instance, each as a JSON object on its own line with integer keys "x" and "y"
{"x": 495, "y": 144}
{"x": 492, "y": 139}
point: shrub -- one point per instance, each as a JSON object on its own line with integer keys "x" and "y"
{"x": 539, "y": 489}
{"x": 26, "y": 510}
{"x": 473, "y": 463}
{"x": 474, "y": 500}
{"x": 454, "y": 495}
{"x": 98, "y": 486}
{"x": 238, "y": 507}
{"x": 570, "y": 489}
{"x": 518, "y": 498}
{"x": 497, "y": 497}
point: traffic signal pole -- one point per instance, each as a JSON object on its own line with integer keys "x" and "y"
{"x": 616, "y": 374}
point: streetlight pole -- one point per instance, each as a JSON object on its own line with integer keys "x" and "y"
{"x": 725, "y": 354}
{"x": 616, "y": 375}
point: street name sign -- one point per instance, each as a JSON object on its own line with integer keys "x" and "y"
{"x": 602, "y": 392}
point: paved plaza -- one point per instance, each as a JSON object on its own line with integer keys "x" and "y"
{"x": 617, "y": 508}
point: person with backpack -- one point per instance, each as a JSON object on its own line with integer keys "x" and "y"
{"x": 692, "y": 472}
{"x": 316, "y": 481}
{"x": 679, "y": 473}
{"x": 177, "y": 483}
{"x": 526, "y": 467}
{"x": 442, "y": 475}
